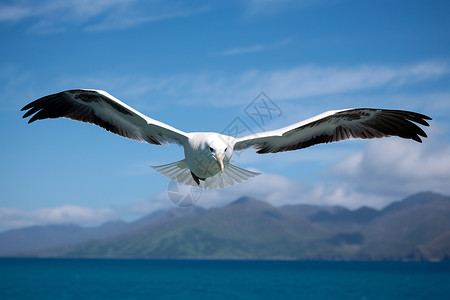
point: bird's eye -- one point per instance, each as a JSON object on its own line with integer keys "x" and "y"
{"x": 225, "y": 150}
{"x": 211, "y": 149}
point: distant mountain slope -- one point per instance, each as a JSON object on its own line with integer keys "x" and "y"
{"x": 416, "y": 228}
{"x": 36, "y": 238}
{"x": 245, "y": 228}
{"x": 41, "y": 237}
{"x": 403, "y": 226}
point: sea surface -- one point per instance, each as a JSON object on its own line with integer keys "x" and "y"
{"x": 22, "y": 278}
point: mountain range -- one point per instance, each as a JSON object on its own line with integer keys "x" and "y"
{"x": 416, "y": 228}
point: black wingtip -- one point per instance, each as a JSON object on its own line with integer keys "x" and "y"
{"x": 28, "y": 106}
{"x": 422, "y": 118}
{"x": 417, "y": 138}
{"x": 27, "y": 114}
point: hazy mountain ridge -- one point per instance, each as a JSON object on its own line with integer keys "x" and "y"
{"x": 417, "y": 227}
{"x": 36, "y": 238}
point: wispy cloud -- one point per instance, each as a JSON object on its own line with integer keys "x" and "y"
{"x": 267, "y": 7}
{"x": 310, "y": 81}
{"x": 14, "y": 12}
{"x": 118, "y": 21}
{"x": 77, "y": 9}
{"x": 254, "y": 48}
{"x": 48, "y": 16}
{"x": 301, "y": 82}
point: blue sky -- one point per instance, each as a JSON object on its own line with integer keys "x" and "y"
{"x": 197, "y": 65}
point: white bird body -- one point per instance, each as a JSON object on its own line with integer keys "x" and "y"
{"x": 208, "y": 154}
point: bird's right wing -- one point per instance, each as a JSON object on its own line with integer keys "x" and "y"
{"x": 338, "y": 125}
{"x": 100, "y": 108}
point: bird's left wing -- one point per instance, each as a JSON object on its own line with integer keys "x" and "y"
{"x": 100, "y": 108}
{"x": 337, "y": 125}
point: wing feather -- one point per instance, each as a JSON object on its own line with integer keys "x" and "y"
{"x": 338, "y": 125}
{"x": 100, "y": 108}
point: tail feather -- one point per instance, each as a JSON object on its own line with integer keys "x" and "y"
{"x": 179, "y": 171}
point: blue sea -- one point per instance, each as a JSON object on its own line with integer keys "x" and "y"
{"x": 22, "y": 278}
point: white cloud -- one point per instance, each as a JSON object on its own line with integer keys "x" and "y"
{"x": 267, "y": 7}
{"x": 15, "y": 218}
{"x": 310, "y": 81}
{"x": 301, "y": 82}
{"x": 14, "y": 13}
{"x": 398, "y": 167}
{"x": 116, "y": 21}
{"x": 254, "y": 48}
{"x": 79, "y": 9}
{"x": 159, "y": 201}
{"x": 279, "y": 190}
{"x": 55, "y": 16}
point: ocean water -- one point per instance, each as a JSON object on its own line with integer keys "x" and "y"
{"x": 213, "y": 279}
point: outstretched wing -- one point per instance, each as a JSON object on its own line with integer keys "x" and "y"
{"x": 337, "y": 125}
{"x": 100, "y": 108}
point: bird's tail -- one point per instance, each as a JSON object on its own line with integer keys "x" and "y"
{"x": 179, "y": 171}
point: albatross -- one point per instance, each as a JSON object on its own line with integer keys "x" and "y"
{"x": 207, "y": 154}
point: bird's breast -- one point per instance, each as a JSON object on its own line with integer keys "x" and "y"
{"x": 203, "y": 168}
{"x": 201, "y": 163}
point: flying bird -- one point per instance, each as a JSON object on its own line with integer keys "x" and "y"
{"x": 207, "y": 154}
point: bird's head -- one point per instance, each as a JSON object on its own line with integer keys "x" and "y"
{"x": 220, "y": 151}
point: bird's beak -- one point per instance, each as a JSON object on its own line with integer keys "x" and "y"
{"x": 219, "y": 159}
